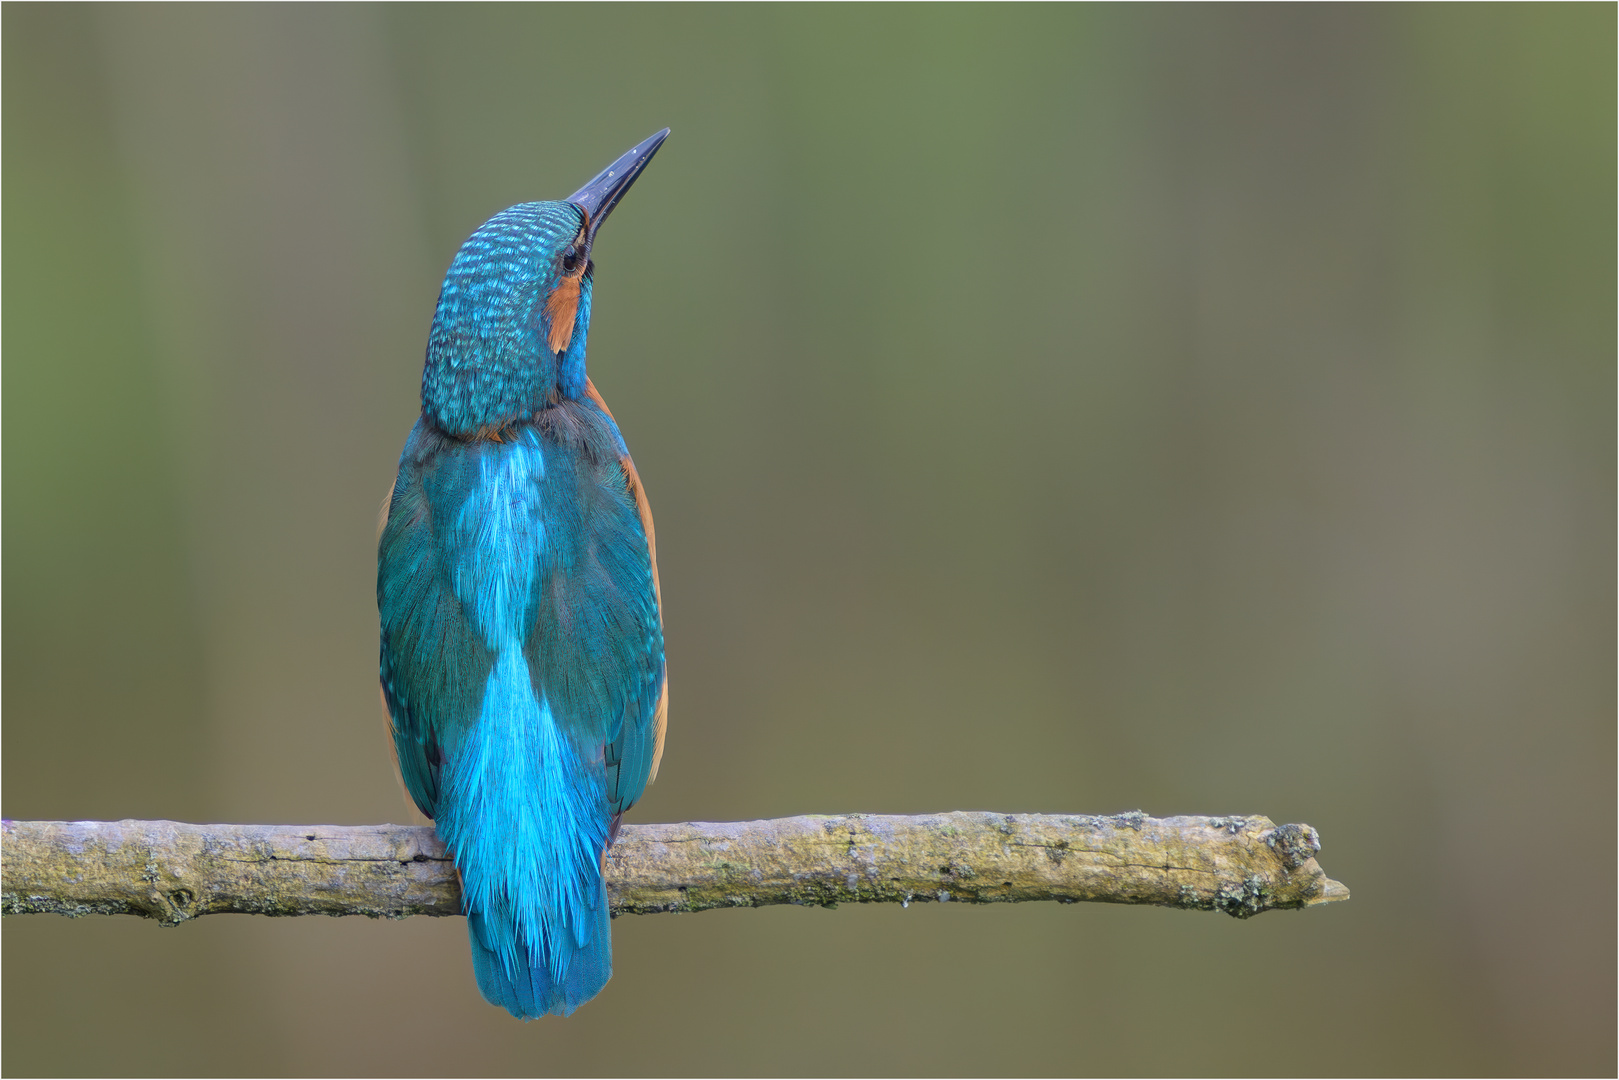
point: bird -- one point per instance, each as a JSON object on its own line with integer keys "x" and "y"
{"x": 522, "y": 650}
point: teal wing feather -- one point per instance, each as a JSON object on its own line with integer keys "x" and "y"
{"x": 597, "y": 646}
{"x": 633, "y": 755}
{"x": 632, "y": 758}
{"x": 434, "y": 665}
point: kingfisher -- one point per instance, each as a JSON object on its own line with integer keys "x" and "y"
{"x": 517, "y": 583}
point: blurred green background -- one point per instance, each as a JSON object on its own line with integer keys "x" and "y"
{"x": 1045, "y": 409}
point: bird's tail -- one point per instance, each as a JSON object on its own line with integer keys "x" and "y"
{"x": 524, "y": 807}
{"x": 525, "y": 986}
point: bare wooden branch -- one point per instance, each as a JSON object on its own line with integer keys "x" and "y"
{"x": 173, "y": 872}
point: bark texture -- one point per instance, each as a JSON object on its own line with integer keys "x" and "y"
{"x": 172, "y": 872}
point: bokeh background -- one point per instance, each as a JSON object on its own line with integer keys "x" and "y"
{"x": 1046, "y": 409}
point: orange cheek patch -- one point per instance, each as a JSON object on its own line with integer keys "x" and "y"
{"x": 561, "y": 308}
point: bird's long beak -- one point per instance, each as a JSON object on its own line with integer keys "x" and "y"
{"x": 598, "y": 197}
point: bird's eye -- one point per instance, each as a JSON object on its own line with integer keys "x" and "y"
{"x": 570, "y": 261}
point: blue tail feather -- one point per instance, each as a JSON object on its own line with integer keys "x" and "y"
{"x": 524, "y": 809}
{"x": 528, "y": 990}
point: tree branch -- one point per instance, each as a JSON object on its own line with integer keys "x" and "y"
{"x": 172, "y": 872}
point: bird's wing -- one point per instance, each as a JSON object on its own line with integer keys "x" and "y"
{"x": 635, "y": 741}
{"x": 434, "y": 664}
{"x": 633, "y": 758}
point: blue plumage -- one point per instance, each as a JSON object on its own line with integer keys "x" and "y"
{"x": 522, "y": 638}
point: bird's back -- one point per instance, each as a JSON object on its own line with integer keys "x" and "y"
{"x": 522, "y": 661}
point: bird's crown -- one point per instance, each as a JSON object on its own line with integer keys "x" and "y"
{"x": 513, "y": 314}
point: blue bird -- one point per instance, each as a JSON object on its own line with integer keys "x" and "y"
{"x": 517, "y": 583}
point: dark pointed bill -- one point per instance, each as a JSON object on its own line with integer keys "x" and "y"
{"x": 598, "y": 197}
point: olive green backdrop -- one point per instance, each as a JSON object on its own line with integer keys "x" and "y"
{"x": 1201, "y": 410}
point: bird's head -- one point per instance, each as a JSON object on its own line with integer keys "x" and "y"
{"x": 508, "y": 337}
